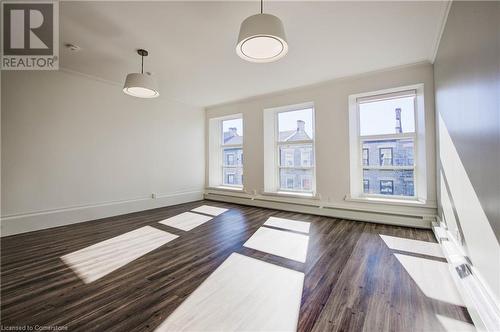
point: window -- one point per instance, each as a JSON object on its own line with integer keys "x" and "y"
{"x": 386, "y": 187}
{"x": 226, "y": 152}
{"x": 388, "y": 126}
{"x": 387, "y": 123}
{"x": 366, "y": 156}
{"x": 295, "y": 148}
{"x": 306, "y": 181}
{"x": 289, "y": 164}
{"x": 385, "y": 157}
{"x": 232, "y": 150}
{"x": 288, "y": 157}
{"x": 305, "y": 158}
{"x": 366, "y": 185}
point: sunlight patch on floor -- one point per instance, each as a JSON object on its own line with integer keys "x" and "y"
{"x": 432, "y": 277}
{"x": 413, "y": 246}
{"x": 98, "y": 260}
{"x": 280, "y": 243}
{"x": 289, "y": 224}
{"x": 186, "y": 221}
{"x": 211, "y": 210}
{"x": 242, "y": 294}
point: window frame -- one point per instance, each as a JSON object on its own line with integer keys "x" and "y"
{"x": 418, "y": 138}
{"x": 280, "y": 144}
{"x": 395, "y": 136}
{"x": 217, "y": 162}
{"x": 272, "y": 166}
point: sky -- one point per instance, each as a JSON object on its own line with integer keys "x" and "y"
{"x": 378, "y": 118}
{"x": 234, "y": 123}
{"x": 288, "y": 120}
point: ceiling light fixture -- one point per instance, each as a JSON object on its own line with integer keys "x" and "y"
{"x": 262, "y": 38}
{"x": 139, "y": 84}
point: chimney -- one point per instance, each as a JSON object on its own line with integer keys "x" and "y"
{"x": 233, "y": 132}
{"x": 399, "y": 128}
{"x": 300, "y": 125}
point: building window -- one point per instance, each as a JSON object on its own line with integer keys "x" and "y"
{"x": 290, "y": 166}
{"x": 387, "y": 187}
{"x": 385, "y": 157}
{"x": 366, "y": 185}
{"x": 226, "y": 152}
{"x": 305, "y": 158}
{"x": 295, "y": 147}
{"x": 288, "y": 157}
{"x": 306, "y": 181}
{"x": 366, "y": 157}
{"x": 386, "y": 122}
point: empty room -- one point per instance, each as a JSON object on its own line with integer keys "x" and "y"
{"x": 250, "y": 166}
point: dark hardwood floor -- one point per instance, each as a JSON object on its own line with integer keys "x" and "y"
{"x": 353, "y": 281}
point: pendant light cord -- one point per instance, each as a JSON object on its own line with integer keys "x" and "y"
{"x": 261, "y": 6}
{"x": 142, "y": 64}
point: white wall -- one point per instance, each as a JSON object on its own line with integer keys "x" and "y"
{"x": 75, "y": 148}
{"x": 332, "y": 128}
{"x": 467, "y": 80}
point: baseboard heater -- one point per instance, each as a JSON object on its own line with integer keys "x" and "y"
{"x": 318, "y": 207}
{"x": 484, "y": 311}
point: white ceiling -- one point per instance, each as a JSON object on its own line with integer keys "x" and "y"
{"x": 192, "y": 44}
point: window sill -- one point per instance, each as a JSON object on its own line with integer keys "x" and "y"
{"x": 389, "y": 201}
{"x": 289, "y": 194}
{"x": 227, "y": 188}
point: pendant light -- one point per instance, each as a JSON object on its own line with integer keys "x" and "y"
{"x": 139, "y": 84}
{"x": 262, "y": 38}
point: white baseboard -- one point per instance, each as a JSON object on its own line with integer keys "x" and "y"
{"x": 478, "y": 298}
{"x": 28, "y": 222}
{"x": 318, "y": 207}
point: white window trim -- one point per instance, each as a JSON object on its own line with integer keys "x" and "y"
{"x": 271, "y": 150}
{"x": 215, "y": 155}
{"x": 355, "y": 140}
